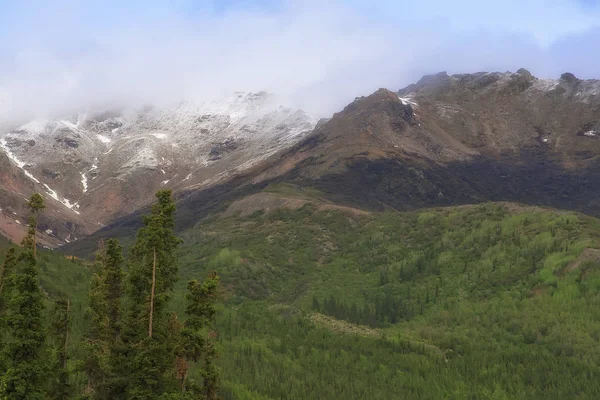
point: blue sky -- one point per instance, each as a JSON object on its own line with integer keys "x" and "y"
{"x": 318, "y": 54}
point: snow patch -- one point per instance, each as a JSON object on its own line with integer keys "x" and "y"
{"x": 115, "y": 130}
{"x": 407, "y": 101}
{"x": 545, "y": 140}
{"x": 103, "y": 139}
{"x": 14, "y": 159}
{"x": 546, "y": 85}
{"x": 188, "y": 177}
{"x": 164, "y": 182}
{"x": 17, "y": 221}
{"x": 159, "y": 135}
{"x": 590, "y": 133}
{"x": 84, "y": 182}
{"x": 49, "y": 231}
{"x": 65, "y": 202}
{"x": 144, "y": 158}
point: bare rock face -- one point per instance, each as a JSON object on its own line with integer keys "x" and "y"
{"x": 456, "y": 139}
{"x": 98, "y": 166}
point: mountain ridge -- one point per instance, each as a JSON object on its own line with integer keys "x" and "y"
{"x": 97, "y": 167}
{"x": 445, "y": 140}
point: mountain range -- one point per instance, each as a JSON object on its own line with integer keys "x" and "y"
{"x": 445, "y": 140}
{"x": 430, "y": 242}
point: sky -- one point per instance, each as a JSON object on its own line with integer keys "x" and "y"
{"x": 74, "y": 55}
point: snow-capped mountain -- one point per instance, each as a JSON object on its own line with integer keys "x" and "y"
{"x": 96, "y": 166}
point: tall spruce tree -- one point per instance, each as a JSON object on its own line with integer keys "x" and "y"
{"x": 35, "y": 205}
{"x": 60, "y": 387}
{"x": 102, "y": 339}
{"x": 8, "y": 266}
{"x": 198, "y": 344}
{"x": 26, "y": 376}
{"x": 152, "y": 274}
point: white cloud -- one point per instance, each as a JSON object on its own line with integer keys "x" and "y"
{"x": 320, "y": 55}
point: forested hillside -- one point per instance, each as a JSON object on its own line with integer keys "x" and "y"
{"x": 490, "y": 301}
{"x": 493, "y": 301}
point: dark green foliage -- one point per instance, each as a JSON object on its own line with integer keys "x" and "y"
{"x": 385, "y": 311}
{"x": 8, "y": 266}
{"x": 36, "y": 203}
{"x": 156, "y": 237}
{"x": 60, "y": 387}
{"x": 26, "y": 351}
{"x": 470, "y": 302}
{"x": 197, "y": 336}
{"x": 152, "y": 274}
{"x": 486, "y": 302}
{"x": 103, "y": 345}
{"x": 112, "y": 279}
{"x": 95, "y": 362}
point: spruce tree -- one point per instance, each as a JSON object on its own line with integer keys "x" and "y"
{"x": 95, "y": 361}
{"x": 27, "y": 372}
{"x": 198, "y": 337}
{"x": 102, "y": 341}
{"x": 35, "y": 205}
{"x": 8, "y": 266}
{"x": 60, "y": 388}
{"x": 10, "y": 260}
{"x": 26, "y": 376}
{"x": 152, "y": 274}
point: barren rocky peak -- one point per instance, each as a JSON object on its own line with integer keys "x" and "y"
{"x": 496, "y": 113}
{"x": 456, "y": 140}
{"x": 448, "y": 118}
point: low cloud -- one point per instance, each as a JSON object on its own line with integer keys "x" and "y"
{"x": 77, "y": 55}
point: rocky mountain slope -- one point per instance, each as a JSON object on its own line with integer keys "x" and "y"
{"x": 96, "y": 167}
{"x": 445, "y": 140}
{"x": 454, "y": 140}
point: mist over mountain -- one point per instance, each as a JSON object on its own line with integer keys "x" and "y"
{"x": 69, "y": 56}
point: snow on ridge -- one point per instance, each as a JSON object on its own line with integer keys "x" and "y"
{"x": 14, "y": 159}
{"x": 69, "y": 124}
{"x": 65, "y": 202}
{"x": 546, "y": 84}
{"x": 408, "y": 101}
{"x": 103, "y": 138}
